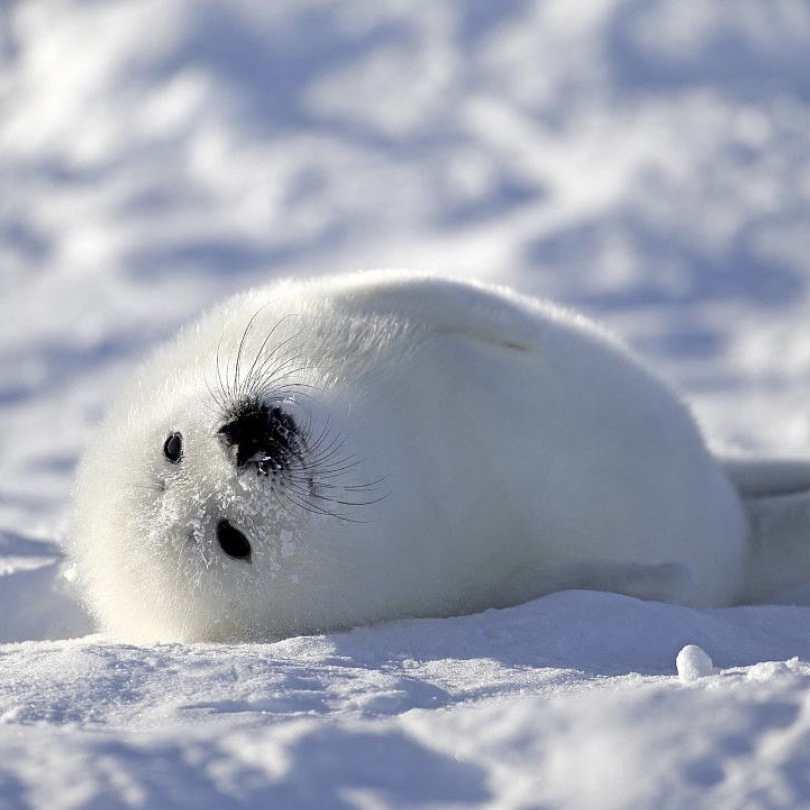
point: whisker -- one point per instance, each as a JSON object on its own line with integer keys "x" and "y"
{"x": 310, "y": 507}
{"x": 222, "y": 387}
{"x": 241, "y": 347}
{"x": 249, "y": 387}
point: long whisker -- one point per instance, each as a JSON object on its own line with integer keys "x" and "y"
{"x": 249, "y": 386}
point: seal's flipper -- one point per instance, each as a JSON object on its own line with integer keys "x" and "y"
{"x": 768, "y": 478}
{"x": 776, "y": 497}
{"x": 660, "y": 582}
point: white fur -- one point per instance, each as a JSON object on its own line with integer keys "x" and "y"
{"x": 518, "y": 449}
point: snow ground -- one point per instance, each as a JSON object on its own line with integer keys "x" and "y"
{"x": 647, "y": 161}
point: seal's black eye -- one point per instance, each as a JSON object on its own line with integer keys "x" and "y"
{"x": 173, "y": 448}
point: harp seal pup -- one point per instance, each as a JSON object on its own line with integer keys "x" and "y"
{"x": 313, "y": 455}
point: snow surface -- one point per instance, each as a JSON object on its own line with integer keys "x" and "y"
{"x": 647, "y": 161}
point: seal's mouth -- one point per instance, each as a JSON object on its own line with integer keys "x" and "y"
{"x": 232, "y": 541}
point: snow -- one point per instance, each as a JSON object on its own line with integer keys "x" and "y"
{"x": 645, "y": 161}
{"x": 693, "y": 663}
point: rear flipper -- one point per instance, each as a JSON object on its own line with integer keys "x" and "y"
{"x": 661, "y": 582}
{"x": 776, "y": 497}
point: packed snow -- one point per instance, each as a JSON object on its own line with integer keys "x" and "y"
{"x": 693, "y": 663}
{"x": 645, "y": 161}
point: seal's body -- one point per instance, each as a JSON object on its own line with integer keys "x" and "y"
{"x": 319, "y": 454}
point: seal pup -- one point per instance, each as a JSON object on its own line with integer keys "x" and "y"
{"x": 318, "y": 454}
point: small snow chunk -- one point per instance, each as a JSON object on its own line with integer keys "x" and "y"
{"x": 693, "y": 663}
{"x": 767, "y": 670}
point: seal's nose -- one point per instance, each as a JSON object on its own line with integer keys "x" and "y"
{"x": 248, "y": 431}
{"x": 261, "y": 432}
{"x": 232, "y": 541}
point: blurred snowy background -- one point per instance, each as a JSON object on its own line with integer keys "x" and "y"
{"x": 646, "y": 161}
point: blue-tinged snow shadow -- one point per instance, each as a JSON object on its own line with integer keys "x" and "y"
{"x": 734, "y": 273}
{"x": 683, "y": 276}
{"x": 591, "y": 632}
{"x": 268, "y": 67}
{"x": 324, "y": 767}
{"x": 720, "y": 57}
{"x": 63, "y": 364}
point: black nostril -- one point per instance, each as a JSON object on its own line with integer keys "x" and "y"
{"x": 232, "y": 541}
{"x": 262, "y": 433}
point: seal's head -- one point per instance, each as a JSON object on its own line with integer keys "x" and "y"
{"x": 192, "y": 503}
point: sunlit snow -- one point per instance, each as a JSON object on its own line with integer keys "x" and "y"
{"x": 644, "y": 161}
